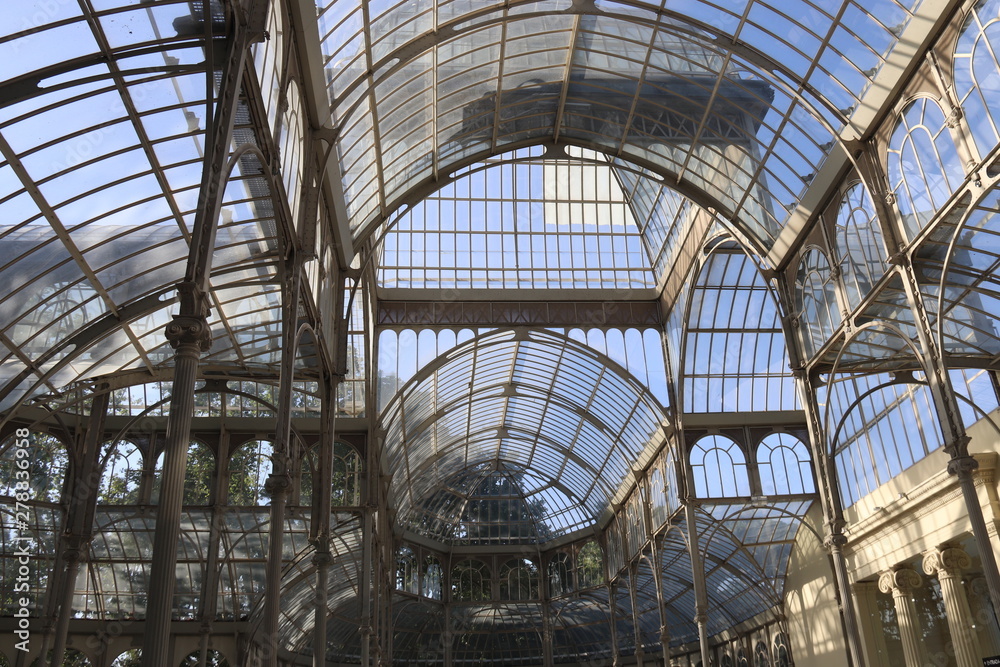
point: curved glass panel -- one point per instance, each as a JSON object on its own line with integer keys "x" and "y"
{"x": 733, "y": 350}
{"x": 977, "y": 74}
{"x": 544, "y": 406}
{"x": 970, "y": 301}
{"x": 644, "y": 80}
{"x": 924, "y": 166}
{"x": 886, "y": 433}
{"x": 532, "y": 222}
{"x": 816, "y": 296}
{"x": 859, "y": 243}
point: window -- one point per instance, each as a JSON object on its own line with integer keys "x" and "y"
{"x": 199, "y": 470}
{"x": 121, "y": 472}
{"x": 47, "y": 461}
{"x": 406, "y": 571}
{"x": 818, "y": 313}
{"x": 346, "y": 476}
{"x": 859, "y": 243}
{"x": 431, "y": 583}
{"x": 470, "y": 581}
{"x": 249, "y": 468}
{"x": 924, "y": 167}
{"x": 560, "y": 574}
{"x": 977, "y": 74}
{"x": 784, "y": 465}
{"x": 590, "y": 565}
{"x": 719, "y": 467}
{"x": 519, "y": 580}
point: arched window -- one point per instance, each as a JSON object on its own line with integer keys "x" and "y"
{"x": 817, "y": 301}
{"x": 924, "y": 167}
{"x": 121, "y": 472}
{"x": 407, "y": 574}
{"x": 616, "y": 560}
{"x": 72, "y": 658}
{"x": 784, "y": 465}
{"x": 780, "y": 651}
{"x": 308, "y": 471}
{"x": 47, "y": 463}
{"x": 470, "y": 581}
{"x": 560, "y": 575}
{"x": 214, "y": 659}
{"x": 977, "y": 74}
{"x": 130, "y": 658}
{"x": 346, "y": 476}
{"x": 635, "y": 527}
{"x": 432, "y": 578}
{"x": 198, "y": 471}
{"x": 249, "y": 468}
{"x": 519, "y": 580}
{"x": 760, "y": 655}
{"x": 859, "y": 243}
{"x": 719, "y": 467}
{"x": 658, "y": 498}
{"x": 590, "y": 565}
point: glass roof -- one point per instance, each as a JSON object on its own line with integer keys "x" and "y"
{"x": 561, "y": 421}
{"x": 101, "y": 151}
{"x": 529, "y": 219}
{"x": 418, "y": 88}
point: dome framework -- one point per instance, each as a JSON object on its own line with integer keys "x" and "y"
{"x": 531, "y": 333}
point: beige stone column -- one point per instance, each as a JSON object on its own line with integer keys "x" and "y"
{"x": 947, "y": 562}
{"x": 901, "y": 582}
{"x": 870, "y": 623}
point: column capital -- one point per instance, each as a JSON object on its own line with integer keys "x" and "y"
{"x": 276, "y": 484}
{"x": 191, "y": 330}
{"x": 900, "y": 580}
{"x": 322, "y": 559}
{"x": 946, "y": 560}
{"x": 962, "y": 465}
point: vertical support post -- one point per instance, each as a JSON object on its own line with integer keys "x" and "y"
{"x": 613, "y": 601}
{"x": 72, "y": 556}
{"x": 321, "y": 518}
{"x": 189, "y": 333}
{"x": 829, "y": 496}
{"x": 279, "y": 482}
{"x": 835, "y": 542}
{"x": 321, "y": 560}
{"x": 80, "y": 518}
{"x": 546, "y": 604}
{"x": 901, "y": 582}
{"x": 947, "y": 562}
{"x": 210, "y": 585}
{"x": 636, "y": 626}
{"x": 661, "y": 602}
{"x": 698, "y": 581}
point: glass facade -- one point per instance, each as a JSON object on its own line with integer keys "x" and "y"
{"x": 357, "y": 332}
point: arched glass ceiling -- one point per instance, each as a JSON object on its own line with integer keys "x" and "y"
{"x": 103, "y": 109}
{"x": 534, "y": 218}
{"x": 738, "y": 105}
{"x": 568, "y": 423}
